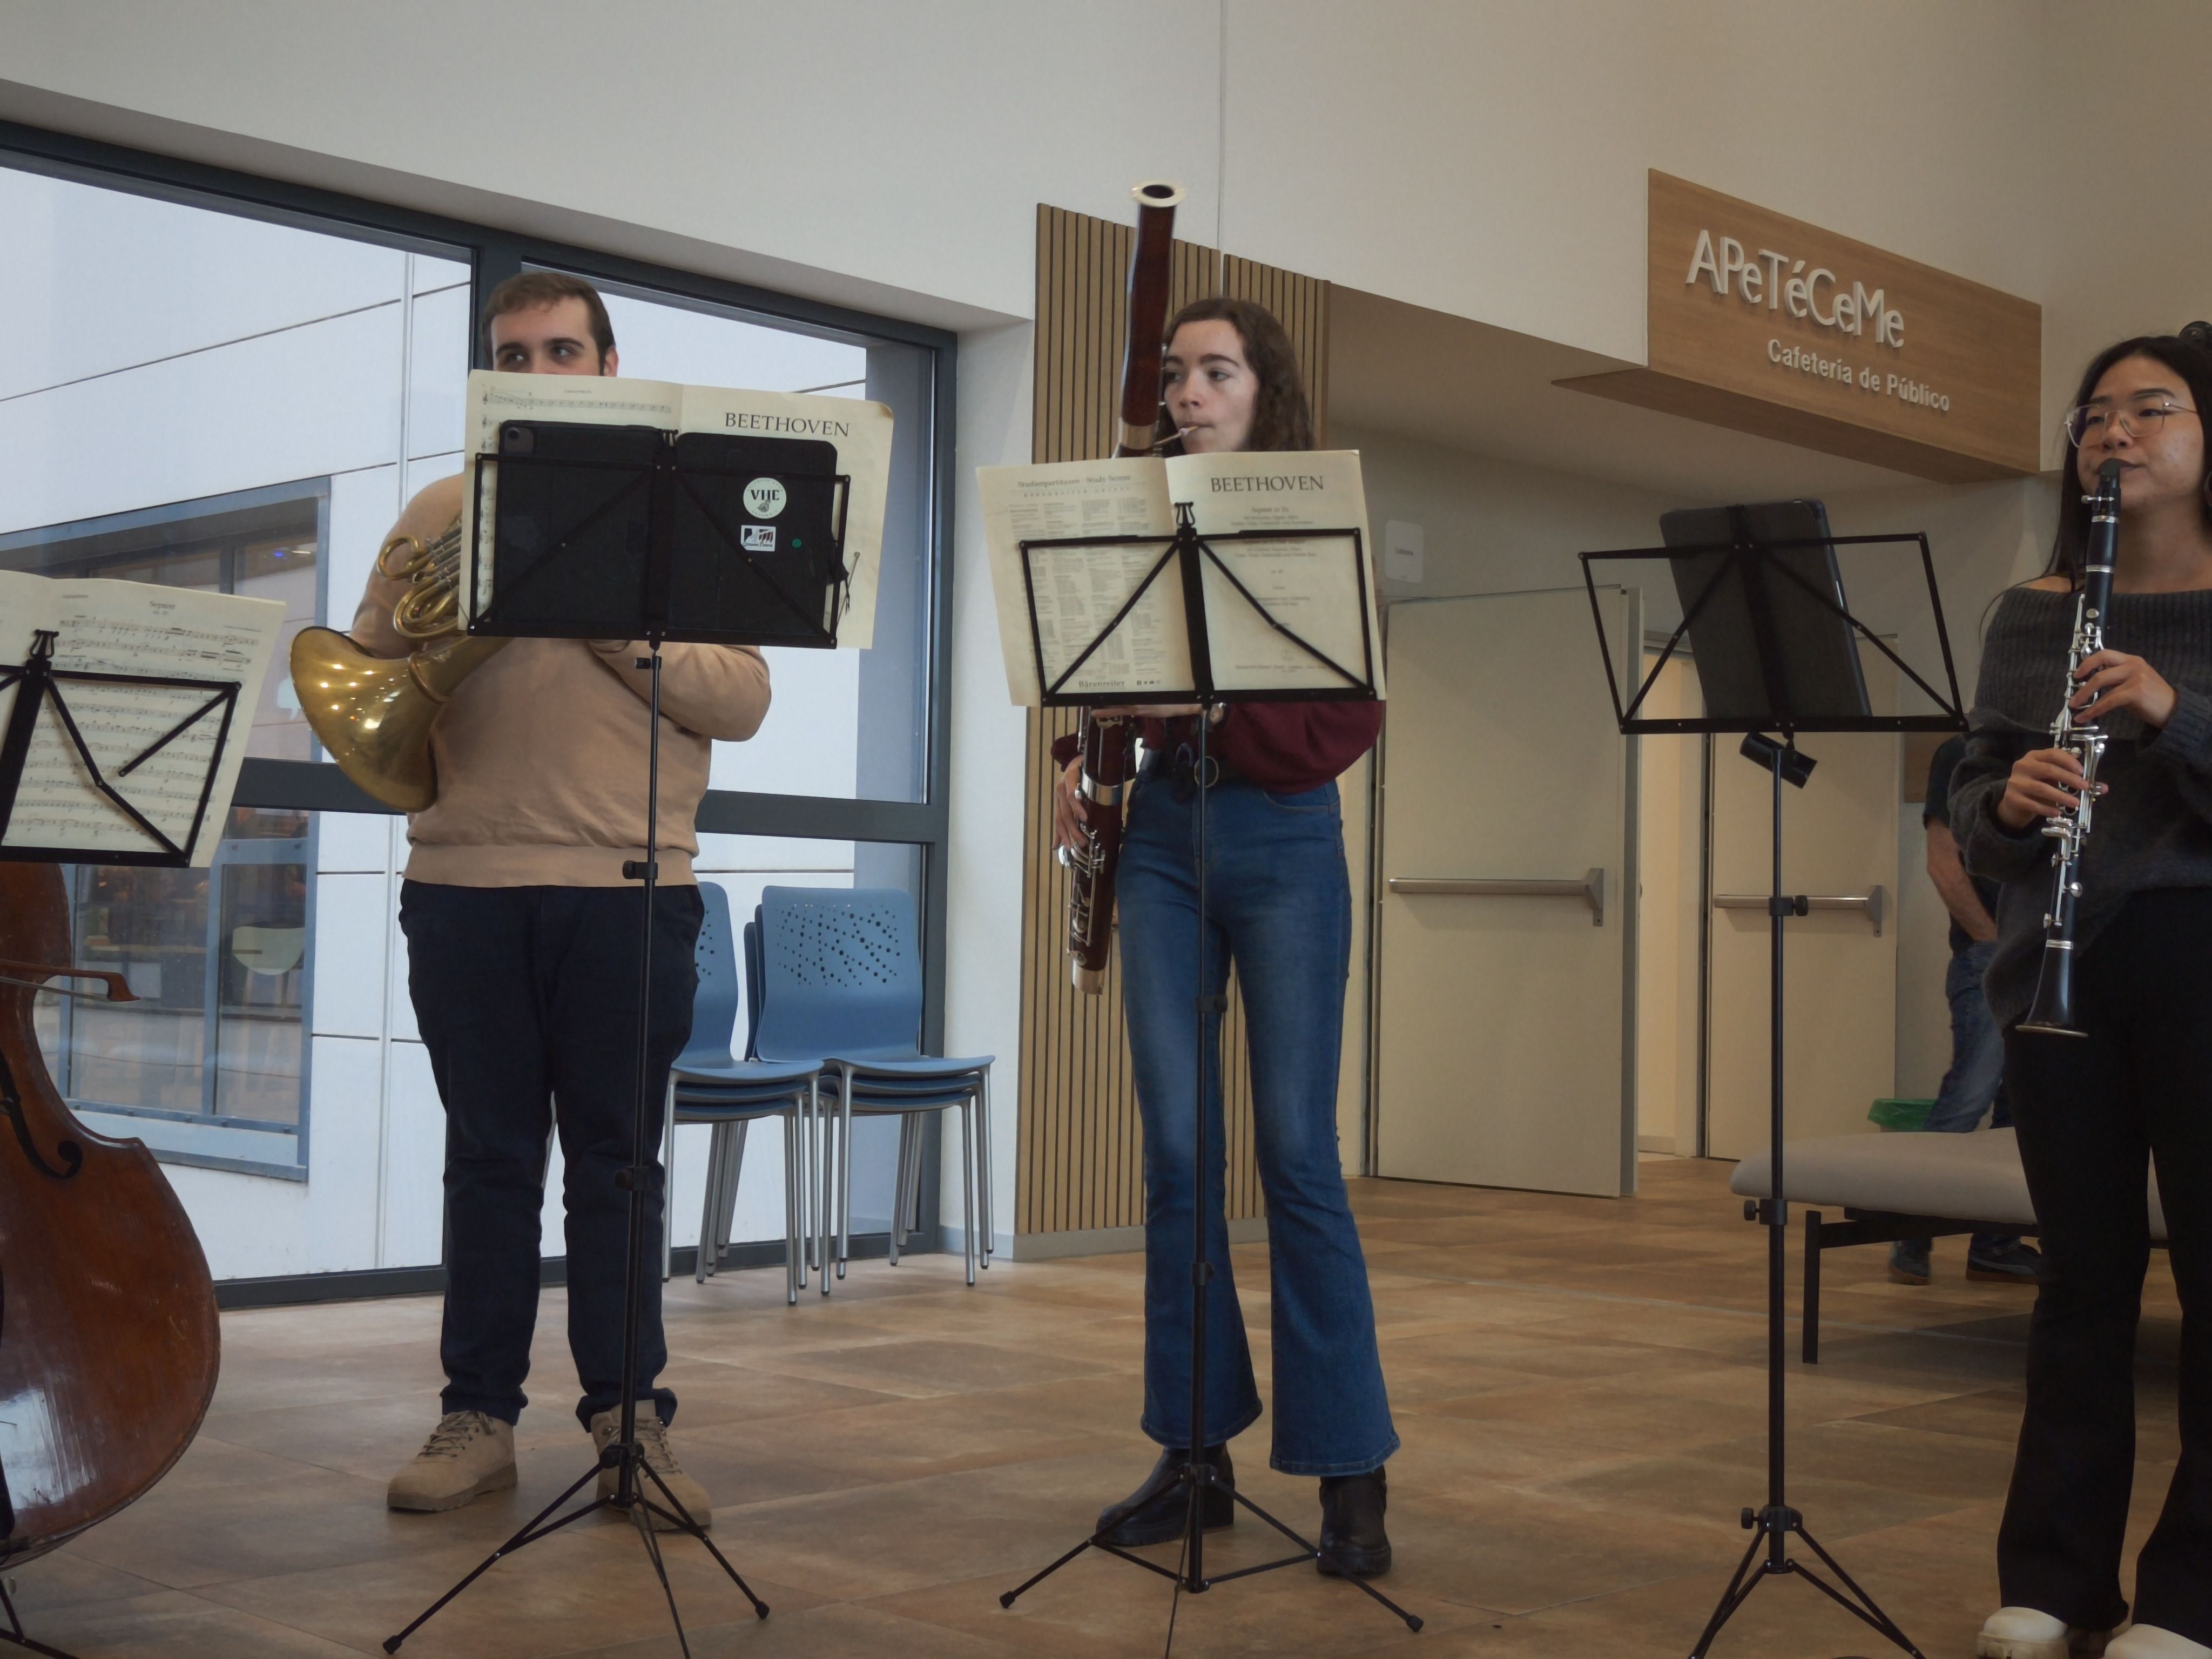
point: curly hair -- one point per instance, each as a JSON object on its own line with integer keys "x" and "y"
{"x": 1281, "y": 418}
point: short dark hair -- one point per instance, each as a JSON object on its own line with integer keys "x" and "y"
{"x": 1281, "y": 418}
{"x": 534, "y": 289}
{"x": 2187, "y": 358}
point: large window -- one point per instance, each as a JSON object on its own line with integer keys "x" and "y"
{"x": 226, "y": 383}
{"x": 213, "y": 1051}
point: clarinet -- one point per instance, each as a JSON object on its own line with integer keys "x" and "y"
{"x": 2052, "y": 1012}
{"x": 1109, "y": 746}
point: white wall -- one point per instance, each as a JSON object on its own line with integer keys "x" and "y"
{"x": 1491, "y": 527}
{"x": 2128, "y": 238}
{"x": 1983, "y": 539}
{"x": 983, "y": 952}
{"x": 1487, "y": 159}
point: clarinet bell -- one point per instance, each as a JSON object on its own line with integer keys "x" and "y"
{"x": 2051, "y": 1014}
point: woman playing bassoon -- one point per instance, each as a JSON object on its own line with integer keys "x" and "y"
{"x": 1278, "y": 906}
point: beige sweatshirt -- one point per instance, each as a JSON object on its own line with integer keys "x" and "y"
{"x": 541, "y": 754}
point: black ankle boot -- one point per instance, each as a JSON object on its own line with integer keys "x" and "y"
{"x": 1353, "y": 1541}
{"x": 1153, "y": 1514}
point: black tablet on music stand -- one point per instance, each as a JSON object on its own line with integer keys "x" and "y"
{"x": 1770, "y": 633}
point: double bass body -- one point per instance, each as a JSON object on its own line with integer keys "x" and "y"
{"x": 108, "y": 1338}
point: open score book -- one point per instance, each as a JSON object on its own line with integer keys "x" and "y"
{"x": 154, "y": 745}
{"x": 1055, "y": 600}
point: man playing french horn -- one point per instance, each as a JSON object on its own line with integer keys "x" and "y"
{"x": 522, "y": 955}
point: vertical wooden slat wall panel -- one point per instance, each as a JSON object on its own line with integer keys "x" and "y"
{"x": 1080, "y": 1143}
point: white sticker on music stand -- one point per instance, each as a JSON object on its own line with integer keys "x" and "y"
{"x": 1404, "y": 546}
{"x": 764, "y": 497}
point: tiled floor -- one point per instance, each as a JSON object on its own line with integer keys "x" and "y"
{"x": 1576, "y": 1382}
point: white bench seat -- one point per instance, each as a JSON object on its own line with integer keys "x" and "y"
{"x": 1967, "y": 1177}
{"x": 1898, "y": 1185}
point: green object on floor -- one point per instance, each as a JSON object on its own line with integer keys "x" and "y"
{"x": 1901, "y": 1113}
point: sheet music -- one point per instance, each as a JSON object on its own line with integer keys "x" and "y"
{"x": 861, "y": 431}
{"x": 134, "y": 627}
{"x": 1316, "y": 586}
{"x": 1077, "y": 590}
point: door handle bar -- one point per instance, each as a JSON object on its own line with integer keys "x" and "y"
{"x": 1590, "y": 889}
{"x": 1870, "y": 901}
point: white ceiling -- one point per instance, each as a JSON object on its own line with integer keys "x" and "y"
{"x": 1426, "y": 374}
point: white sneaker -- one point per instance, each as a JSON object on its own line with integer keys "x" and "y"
{"x": 2149, "y": 1641}
{"x": 2030, "y": 1634}
{"x": 653, "y": 1442}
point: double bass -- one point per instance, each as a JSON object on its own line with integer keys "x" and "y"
{"x": 109, "y": 1344}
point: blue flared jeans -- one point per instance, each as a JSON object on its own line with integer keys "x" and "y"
{"x": 1278, "y": 905}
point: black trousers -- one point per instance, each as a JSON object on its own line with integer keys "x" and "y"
{"x": 2091, "y": 1113}
{"x": 527, "y": 1001}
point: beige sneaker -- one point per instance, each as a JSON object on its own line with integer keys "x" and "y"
{"x": 467, "y": 1456}
{"x": 652, "y": 1441}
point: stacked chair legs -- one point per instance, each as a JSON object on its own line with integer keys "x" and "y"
{"x": 832, "y": 990}
{"x": 964, "y": 1086}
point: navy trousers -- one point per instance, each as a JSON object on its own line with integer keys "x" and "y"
{"x": 527, "y": 1001}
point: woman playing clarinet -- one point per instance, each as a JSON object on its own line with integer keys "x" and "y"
{"x": 1278, "y": 906}
{"x": 2095, "y": 1110}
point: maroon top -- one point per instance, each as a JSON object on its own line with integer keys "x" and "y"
{"x": 1286, "y": 747}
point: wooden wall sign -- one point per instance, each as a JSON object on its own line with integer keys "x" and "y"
{"x": 1770, "y": 326}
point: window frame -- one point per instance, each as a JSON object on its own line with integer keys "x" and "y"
{"x": 494, "y": 253}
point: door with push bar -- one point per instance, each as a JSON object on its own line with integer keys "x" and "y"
{"x": 1841, "y": 854}
{"x": 1505, "y": 939}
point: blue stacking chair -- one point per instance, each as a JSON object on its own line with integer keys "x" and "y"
{"x": 840, "y": 977}
{"x": 708, "y": 1086}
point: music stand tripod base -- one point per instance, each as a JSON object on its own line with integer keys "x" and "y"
{"x": 11, "y": 1632}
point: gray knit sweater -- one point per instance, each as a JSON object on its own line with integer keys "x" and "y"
{"x": 2152, "y": 831}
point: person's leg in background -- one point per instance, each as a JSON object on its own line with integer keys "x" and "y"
{"x": 1970, "y": 1088}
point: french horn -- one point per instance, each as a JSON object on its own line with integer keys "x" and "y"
{"x": 373, "y": 713}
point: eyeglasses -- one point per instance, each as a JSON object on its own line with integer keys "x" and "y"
{"x": 2139, "y": 418}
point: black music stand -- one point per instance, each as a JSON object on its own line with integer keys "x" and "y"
{"x": 627, "y": 533}
{"x": 1192, "y": 554}
{"x": 1777, "y": 650}
{"x": 40, "y": 686}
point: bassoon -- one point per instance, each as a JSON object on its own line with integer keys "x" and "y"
{"x": 1108, "y": 747}
{"x": 2052, "y": 1012}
